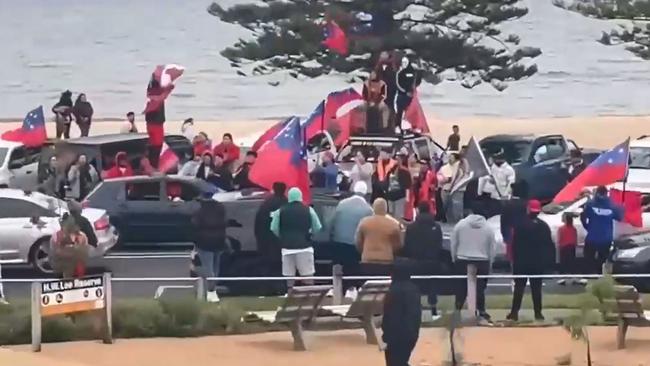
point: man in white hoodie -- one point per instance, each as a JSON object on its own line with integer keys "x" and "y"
{"x": 472, "y": 242}
{"x": 498, "y": 184}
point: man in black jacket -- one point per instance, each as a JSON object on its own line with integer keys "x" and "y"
{"x": 402, "y": 316}
{"x": 83, "y": 223}
{"x": 210, "y": 241}
{"x": 514, "y": 211}
{"x": 422, "y": 245}
{"x": 533, "y": 252}
{"x": 267, "y": 243}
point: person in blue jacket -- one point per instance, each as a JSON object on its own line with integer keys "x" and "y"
{"x": 598, "y": 219}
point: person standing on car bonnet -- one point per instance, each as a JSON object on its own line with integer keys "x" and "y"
{"x": 293, "y": 224}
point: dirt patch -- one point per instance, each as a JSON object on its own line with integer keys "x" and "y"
{"x": 484, "y": 346}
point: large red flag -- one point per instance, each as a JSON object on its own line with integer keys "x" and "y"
{"x": 610, "y": 167}
{"x": 283, "y": 159}
{"x": 271, "y": 132}
{"x": 32, "y": 133}
{"x": 335, "y": 38}
{"x": 631, "y": 202}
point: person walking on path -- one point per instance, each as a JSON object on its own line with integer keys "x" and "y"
{"x": 402, "y": 316}
{"x": 227, "y": 149}
{"x": 129, "y": 125}
{"x": 378, "y": 238}
{"x": 567, "y": 240}
{"x": 472, "y": 242}
{"x": 210, "y": 241}
{"x": 83, "y": 114}
{"x": 598, "y": 219}
{"x": 422, "y": 245}
{"x": 453, "y": 141}
{"x": 268, "y": 243}
{"x": 294, "y": 224}
{"x": 82, "y": 178}
{"x": 533, "y": 253}
{"x": 348, "y": 214}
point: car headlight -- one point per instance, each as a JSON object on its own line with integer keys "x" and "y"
{"x": 629, "y": 253}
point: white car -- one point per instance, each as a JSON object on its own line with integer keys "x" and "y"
{"x": 27, "y": 222}
{"x": 19, "y": 165}
{"x": 639, "y": 172}
{"x": 552, "y": 215}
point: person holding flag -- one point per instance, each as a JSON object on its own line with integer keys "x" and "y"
{"x": 598, "y": 219}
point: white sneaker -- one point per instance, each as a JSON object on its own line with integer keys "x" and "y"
{"x": 3, "y": 301}
{"x": 212, "y": 296}
{"x": 561, "y": 282}
{"x": 330, "y": 293}
{"x": 351, "y": 294}
{"x": 583, "y": 281}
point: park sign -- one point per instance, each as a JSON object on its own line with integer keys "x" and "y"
{"x": 69, "y": 296}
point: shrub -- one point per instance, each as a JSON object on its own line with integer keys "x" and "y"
{"x": 220, "y": 319}
{"x": 138, "y": 319}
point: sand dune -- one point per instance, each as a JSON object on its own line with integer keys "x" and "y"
{"x": 598, "y": 132}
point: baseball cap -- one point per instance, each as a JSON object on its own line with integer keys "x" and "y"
{"x": 534, "y": 206}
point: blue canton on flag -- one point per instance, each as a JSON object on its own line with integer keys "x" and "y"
{"x": 34, "y": 119}
{"x": 291, "y": 138}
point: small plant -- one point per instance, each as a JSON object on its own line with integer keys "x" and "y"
{"x": 452, "y": 322}
{"x": 603, "y": 289}
{"x": 577, "y": 324}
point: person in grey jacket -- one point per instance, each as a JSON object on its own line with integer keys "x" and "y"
{"x": 82, "y": 178}
{"x": 347, "y": 215}
{"x": 472, "y": 242}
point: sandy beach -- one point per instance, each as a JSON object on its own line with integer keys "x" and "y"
{"x": 596, "y": 132}
{"x": 481, "y": 346}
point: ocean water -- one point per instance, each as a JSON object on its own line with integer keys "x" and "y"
{"x": 108, "y": 49}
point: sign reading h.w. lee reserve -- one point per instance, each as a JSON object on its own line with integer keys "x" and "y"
{"x": 69, "y": 296}
{"x": 88, "y": 294}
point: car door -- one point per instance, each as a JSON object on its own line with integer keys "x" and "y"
{"x": 546, "y": 173}
{"x": 182, "y": 201}
{"x": 18, "y": 168}
{"x": 147, "y": 218}
{"x": 18, "y": 231}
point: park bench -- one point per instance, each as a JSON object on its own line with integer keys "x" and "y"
{"x": 368, "y": 305}
{"x": 629, "y": 312}
{"x": 300, "y": 306}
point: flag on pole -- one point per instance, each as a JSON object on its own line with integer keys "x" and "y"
{"x": 32, "y": 133}
{"x": 168, "y": 159}
{"x": 335, "y": 38}
{"x": 476, "y": 164}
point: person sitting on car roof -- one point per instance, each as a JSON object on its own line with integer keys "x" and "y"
{"x": 121, "y": 167}
{"x": 241, "y": 180}
{"x": 227, "y": 149}
{"x": 213, "y": 171}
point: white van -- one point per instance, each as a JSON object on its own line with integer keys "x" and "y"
{"x": 19, "y": 165}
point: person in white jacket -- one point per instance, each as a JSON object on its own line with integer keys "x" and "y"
{"x": 498, "y": 184}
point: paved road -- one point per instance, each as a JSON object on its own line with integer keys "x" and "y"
{"x": 170, "y": 264}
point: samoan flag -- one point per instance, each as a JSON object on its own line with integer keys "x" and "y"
{"x": 283, "y": 159}
{"x": 335, "y": 38}
{"x": 330, "y": 114}
{"x": 610, "y": 167}
{"x": 32, "y": 133}
{"x": 271, "y": 132}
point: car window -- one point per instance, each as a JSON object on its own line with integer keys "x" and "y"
{"x": 371, "y": 152}
{"x": 514, "y": 151}
{"x": 551, "y": 149}
{"x": 184, "y": 190}
{"x": 143, "y": 191}
{"x": 640, "y": 157}
{"x": 105, "y": 193}
{"x": 3, "y": 155}
{"x": 15, "y": 208}
{"x": 421, "y": 148}
{"x": 32, "y": 155}
{"x": 17, "y": 156}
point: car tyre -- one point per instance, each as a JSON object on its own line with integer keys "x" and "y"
{"x": 39, "y": 256}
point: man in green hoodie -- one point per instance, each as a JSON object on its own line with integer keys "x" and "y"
{"x": 293, "y": 224}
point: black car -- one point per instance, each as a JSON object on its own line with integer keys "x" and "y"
{"x": 631, "y": 256}
{"x": 540, "y": 161}
{"x": 101, "y": 150}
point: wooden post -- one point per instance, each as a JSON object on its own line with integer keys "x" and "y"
{"x": 36, "y": 316}
{"x": 298, "y": 335}
{"x": 201, "y": 287}
{"x": 107, "y": 316}
{"x": 471, "y": 290}
{"x": 369, "y": 326}
{"x": 337, "y": 282}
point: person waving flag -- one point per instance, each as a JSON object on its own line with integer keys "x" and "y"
{"x": 610, "y": 167}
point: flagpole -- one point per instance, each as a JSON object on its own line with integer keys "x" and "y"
{"x": 322, "y": 116}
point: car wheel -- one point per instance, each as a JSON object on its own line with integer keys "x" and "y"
{"x": 39, "y": 256}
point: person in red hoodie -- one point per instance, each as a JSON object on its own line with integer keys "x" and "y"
{"x": 227, "y": 149}
{"x": 567, "y": 240}
{"x": 121, "y": 167}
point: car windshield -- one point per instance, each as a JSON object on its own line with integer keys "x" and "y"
{"x": 640, "y": 157}
{"x": 3, "y": 155}
{"x": 514, "y": 151}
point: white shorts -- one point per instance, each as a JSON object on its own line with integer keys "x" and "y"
{"x": 302, "y": 262}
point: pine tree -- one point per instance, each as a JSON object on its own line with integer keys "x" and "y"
{"x": 460, "y": 36}
{"x": 635, "y": 37}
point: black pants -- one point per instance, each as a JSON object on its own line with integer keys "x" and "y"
{"x": 482, "y": 268}
{"x": 398, "y": 354}
{"x": 535, "y": 290}
{"x": 403, "y": 101}
{"x": 154, "y": 155}
{"x": 376, "y": 269}
{"x": 595, "y": 256}
{"x": 568, "y": 260}
{"x": 84, "y": 128}
{"x": 63, "y": 130}
{"x": 347, "y": 256}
